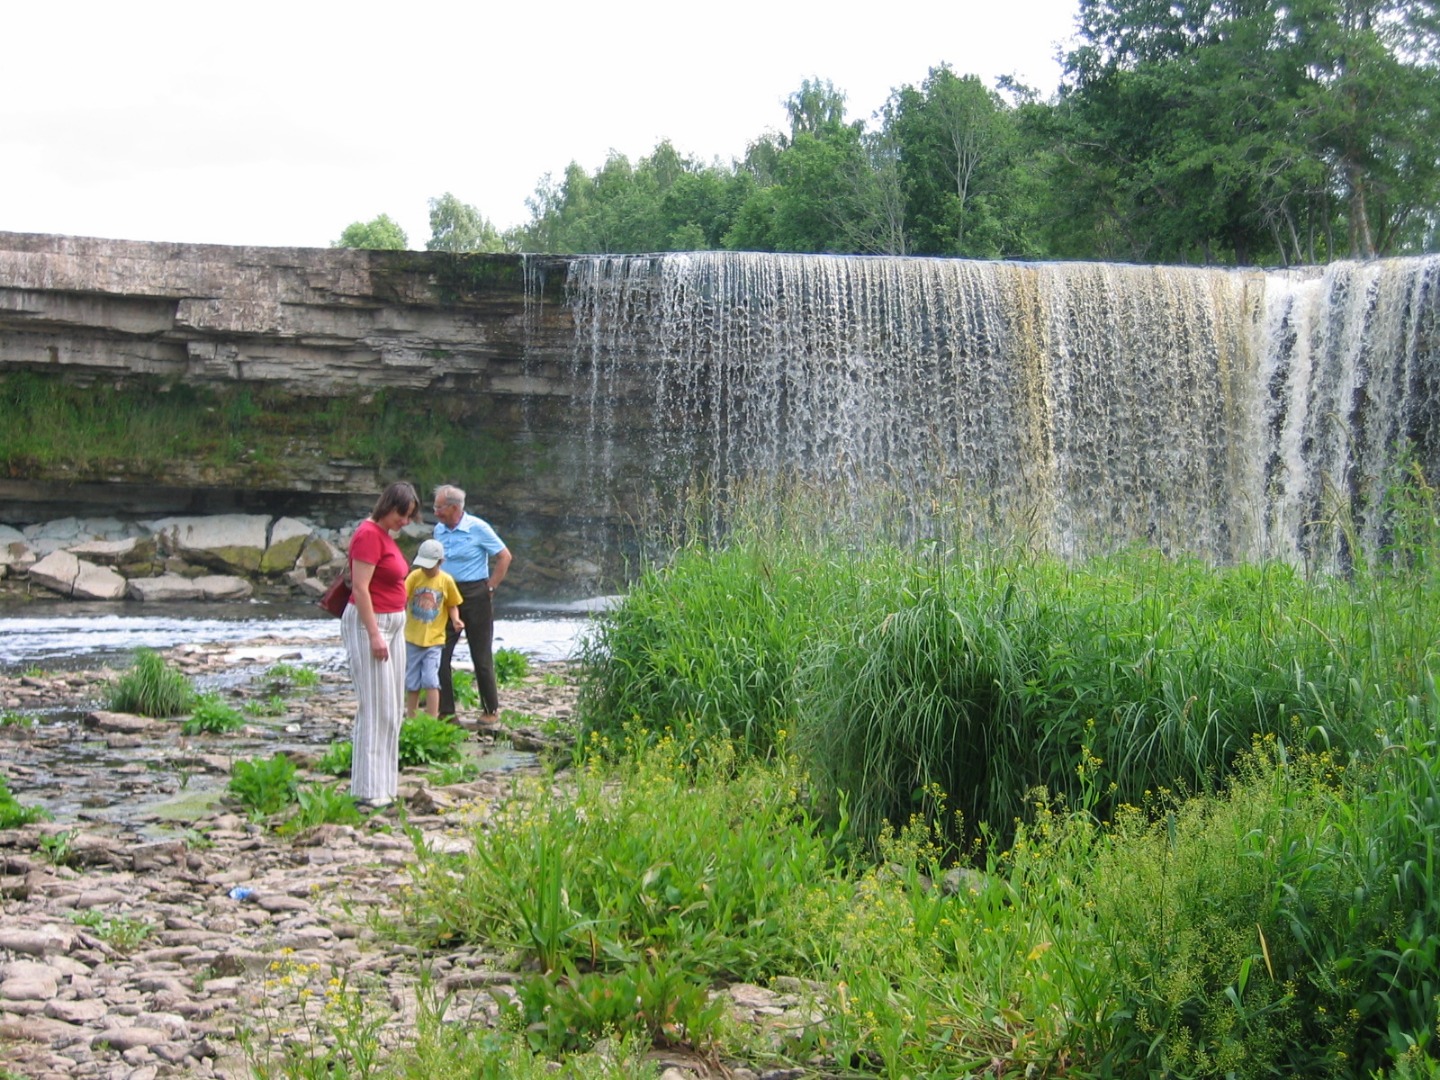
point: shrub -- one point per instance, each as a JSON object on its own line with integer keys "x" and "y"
{"x": 149, "y": 688}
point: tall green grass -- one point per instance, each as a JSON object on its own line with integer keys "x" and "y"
{"x": 984, "y": 673}
{"x": 150, "y": 688}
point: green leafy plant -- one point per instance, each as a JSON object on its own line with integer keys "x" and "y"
{"x": 34, "y": 671}
{"x": 336, "y": 759}
{"x": 458, "y": 772}
{"x": 264, "y": 786}
{"x": 12, "y": 814}
{"x": 59, "y": 847}
{"x": 467, "y": 694}
{"x": 319, "y": 804}
{"x": 511, "y": 666}
{"x": 16, "y": 720}
{"x": 570, "y": 1013}
{"x": 121, "y": 932}
{"x": 427, "y": 740}
{"x": 212, "y": 716}
{"x": 150, "y": 688}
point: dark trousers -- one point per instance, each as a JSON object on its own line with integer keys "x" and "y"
{"x": 478, "y": 614}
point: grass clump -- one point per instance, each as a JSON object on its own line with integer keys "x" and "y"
{"x": 150, "y": 688}
{"x": 280, "y": 678}
{"x": 212, "y": 716}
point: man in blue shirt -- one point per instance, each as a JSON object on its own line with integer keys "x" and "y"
{"x": 477, "y": 559}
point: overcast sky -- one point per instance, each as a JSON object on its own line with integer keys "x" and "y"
{"x": 281, "y": 123}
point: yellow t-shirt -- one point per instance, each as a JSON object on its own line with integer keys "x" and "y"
{"x": 428, "y": 601}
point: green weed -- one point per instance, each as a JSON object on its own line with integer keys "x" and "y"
{"x": 59, "y": 847}
{"x": 467, "y": 694}
{"x": 274, "y": 705}
{"x": 511, "y": 666}
{"x": 16, "y": 720}
{"x": 458, "y": 772}
{"x": 150, "y": 688}
{"x": 694, "y": 860}
{"x": 212, "y": 716}
{"x": 280, "y": 678}
{"x": 336, "y": 759}
{"x": 13, "y": 815}
{"x": 264, "y": 787}
{"x": 427, "y": 740}
{"x": 120, "y": 932}
{"x": 319, "y": 804}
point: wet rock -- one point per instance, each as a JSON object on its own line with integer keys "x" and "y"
{"x": 123, "y": 723}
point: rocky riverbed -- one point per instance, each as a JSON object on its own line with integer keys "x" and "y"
{"x": 151, "y": 929}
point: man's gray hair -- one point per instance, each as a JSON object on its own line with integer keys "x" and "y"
{"x": 450, "y": 495}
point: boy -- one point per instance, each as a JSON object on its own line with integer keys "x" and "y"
{"x": 431, "y": 599}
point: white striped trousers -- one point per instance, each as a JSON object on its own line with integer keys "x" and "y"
{"x": 379, "y": 705}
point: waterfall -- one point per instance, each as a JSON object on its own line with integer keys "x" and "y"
{"x": 1226, "y": 413}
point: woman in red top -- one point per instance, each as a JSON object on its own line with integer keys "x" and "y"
{"x": 373, "y": 629}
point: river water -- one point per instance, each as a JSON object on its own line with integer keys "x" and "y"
{"x": 68, "y": 635}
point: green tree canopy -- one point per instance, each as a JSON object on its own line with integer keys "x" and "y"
{"x": 380, "y": 233}
{"x": 458, "y": 226}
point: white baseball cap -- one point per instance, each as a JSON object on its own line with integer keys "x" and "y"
{"x": 431, "y": 553}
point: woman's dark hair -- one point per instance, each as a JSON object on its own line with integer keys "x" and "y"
{"x": 398, "y": 496}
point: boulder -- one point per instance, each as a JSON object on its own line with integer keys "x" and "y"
{"x": 164, "y": 587}
{"x": 287, "y": 539}
{"x": 230, "y": 542}
{"x": 318, "y": 552}
{"x": 131, "y": 550}
{"x": 63, "y": 573}
{"x": 224, "y": 587}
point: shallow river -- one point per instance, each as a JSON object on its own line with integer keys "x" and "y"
{"x": 67, "y": 635}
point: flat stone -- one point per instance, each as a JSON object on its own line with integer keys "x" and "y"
{"x": 127, "y": 1038}
{"x": 76, "y": 1012}
{"x": 50, "y": 939}
{"x": 118, "y": 722}
{"x": 165, "y": 588}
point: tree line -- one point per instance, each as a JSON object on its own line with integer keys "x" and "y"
{"x": 1238, "y": 132}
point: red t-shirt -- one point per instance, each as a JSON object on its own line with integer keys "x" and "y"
{"x": 373, "y": 545}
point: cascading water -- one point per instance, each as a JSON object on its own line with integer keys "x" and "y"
{"x": 1220, "y": 412}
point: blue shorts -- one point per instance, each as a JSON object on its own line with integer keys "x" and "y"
{"x": 422, "y": 666}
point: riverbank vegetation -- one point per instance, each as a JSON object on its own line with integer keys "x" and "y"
{"x": 994, "y": 813}
{"x": 1244, "y": 134}
{"x": 140, "y": 430}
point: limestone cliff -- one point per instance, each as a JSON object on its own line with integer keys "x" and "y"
{"x": 325, "y": 373}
